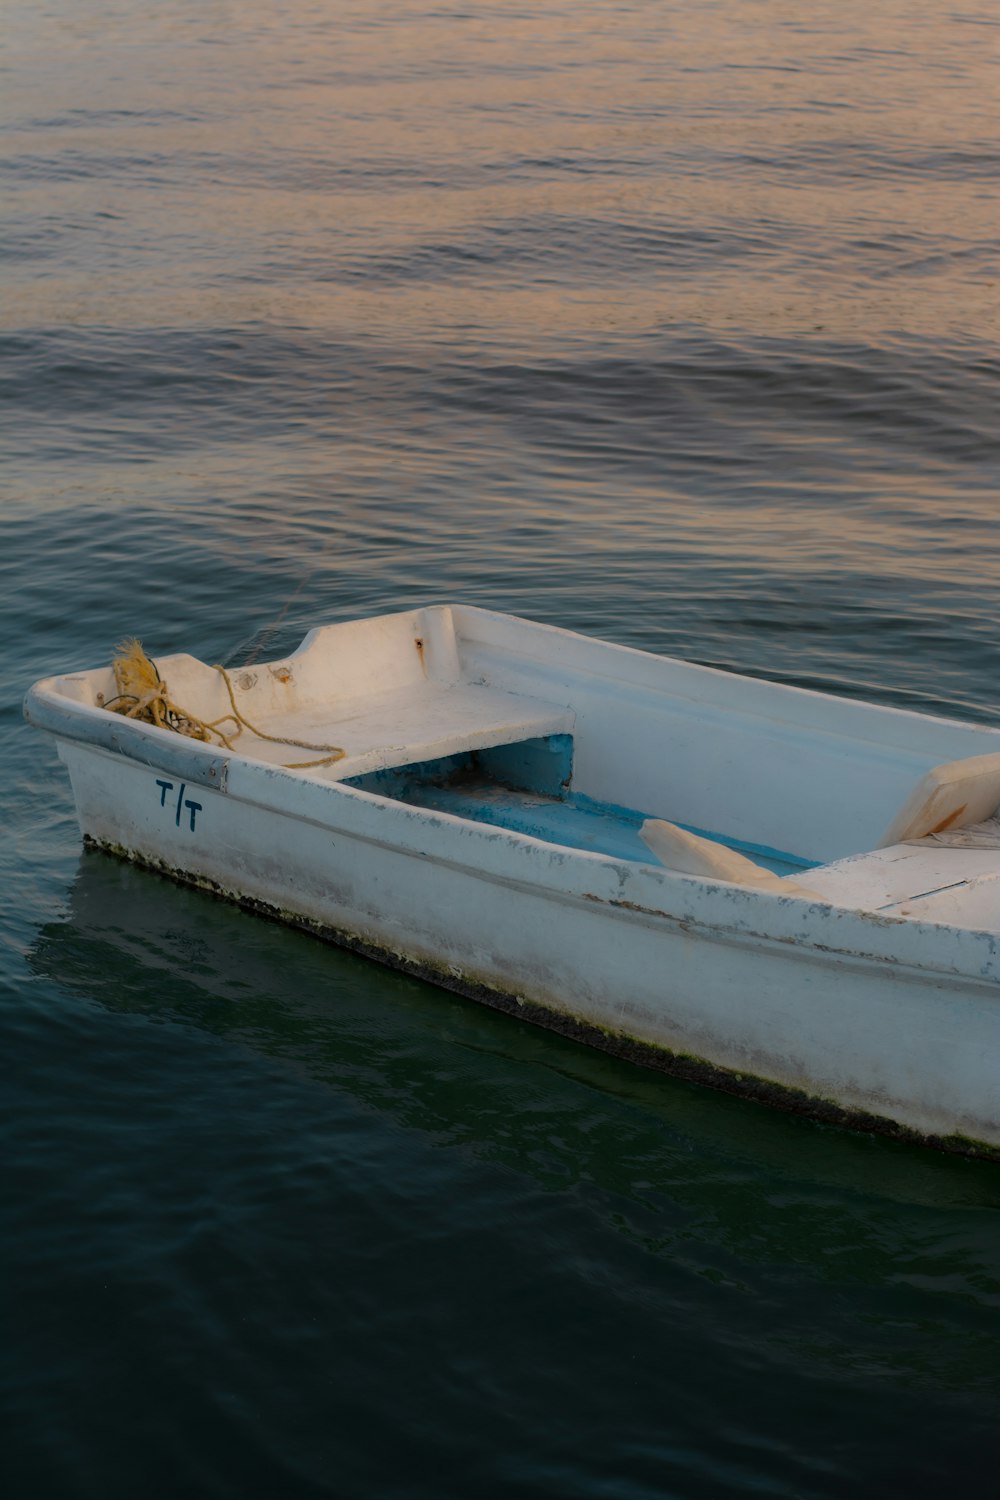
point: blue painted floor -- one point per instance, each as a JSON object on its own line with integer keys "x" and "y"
{"x": 572, "y": 821}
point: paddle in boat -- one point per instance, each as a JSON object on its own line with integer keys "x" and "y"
{"x": 775, "y": 891}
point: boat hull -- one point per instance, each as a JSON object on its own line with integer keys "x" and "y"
{"x": 859, "y": 1019}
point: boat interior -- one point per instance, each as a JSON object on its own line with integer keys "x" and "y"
{"x": 526, "y": 787}
{"x": 595, "y": 747}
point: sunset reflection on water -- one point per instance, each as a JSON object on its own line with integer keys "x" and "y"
{"x": 671, "y": 321}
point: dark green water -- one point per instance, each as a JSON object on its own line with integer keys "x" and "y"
{"x": 675, "y": 323}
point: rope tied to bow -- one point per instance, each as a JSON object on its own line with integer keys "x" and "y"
{"x": 143, "y": 695}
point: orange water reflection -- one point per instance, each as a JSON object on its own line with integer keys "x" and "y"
{"x": 512, "y": 176}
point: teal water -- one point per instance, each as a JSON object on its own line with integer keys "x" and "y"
{"x": 672, "y": 323}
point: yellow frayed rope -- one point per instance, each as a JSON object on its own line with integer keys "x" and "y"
{"x": 142, "y": 694}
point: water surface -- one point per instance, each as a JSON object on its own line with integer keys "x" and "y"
{"x": 672, "y": 323}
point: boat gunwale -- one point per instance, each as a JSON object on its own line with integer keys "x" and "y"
{"x": 745, "y": 902}
{"x": 862, "y": 707}
{"x": 218, "y": 768}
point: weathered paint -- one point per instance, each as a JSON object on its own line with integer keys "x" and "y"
{"x": 617, "y": 1044}
{"x": 869, "y": 1015}
{"x": 186, "y": 759}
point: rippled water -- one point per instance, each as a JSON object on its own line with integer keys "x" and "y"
{"x": 675, "y": 323}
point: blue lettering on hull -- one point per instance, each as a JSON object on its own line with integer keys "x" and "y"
{"x": 193, "y": 808}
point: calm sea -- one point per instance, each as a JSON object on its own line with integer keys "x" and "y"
{"x": 673, "y": 321}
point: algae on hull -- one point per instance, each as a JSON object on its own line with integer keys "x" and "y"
{"x": 650, "y": 1055}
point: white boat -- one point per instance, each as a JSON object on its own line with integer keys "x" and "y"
{"x": 778, "y": 892}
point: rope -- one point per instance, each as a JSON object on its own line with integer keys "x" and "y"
{"x": 265, "y": 635}
{"x": 333, "y": 752}
{"x": 142, "y": 694}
